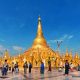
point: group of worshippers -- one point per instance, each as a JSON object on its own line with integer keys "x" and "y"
{"x": 26, "y": 65}
{"x": 42, "y": 67}
{"x": 15, "y": 67}
{"x": 67, "y": 67}
{"x": 5, "y": 68}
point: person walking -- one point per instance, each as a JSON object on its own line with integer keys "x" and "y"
{"x": 49, "y": 65}
{"x": 25, "y": 66}
{"x": 42, "y": 68}
{"x": 5, "y": 68}
{"x": 16, "y": 67}
{"x": 12, "y": 67}
{"x": 67, "y": 67}
{"x": 30, "y": 67}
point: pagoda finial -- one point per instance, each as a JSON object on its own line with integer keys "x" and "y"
{"x": 6, "y": 50}
{"x": 39, "y": 31}
{"x": 76, "y": 55}
{"x": 70, "y": 53}
{"x": 6, "y": 53}
{"x": 67, "y": 52}
{"x": 39, "y": 18}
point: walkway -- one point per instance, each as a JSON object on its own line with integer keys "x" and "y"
{"x": 35, "y": 75}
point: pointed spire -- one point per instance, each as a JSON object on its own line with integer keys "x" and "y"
{"x": 39, "y": 40}
{"x": 6, "y": 53}
{"x": 67, "y": 50}
{"x": 76, "y": 55}
{"x": 67, "y": 54}
{"x": 39, "y": 31}
{"x": 70, "y": 53}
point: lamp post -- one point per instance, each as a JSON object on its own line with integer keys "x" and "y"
{"x": 58, "y": 44}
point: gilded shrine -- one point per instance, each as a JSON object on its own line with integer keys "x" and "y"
{"x": 40, "y": 51}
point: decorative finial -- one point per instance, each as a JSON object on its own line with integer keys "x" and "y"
{"x": 66, "y": 49}
{"x": 6, "y": 50}
{"x": 39, "y": 18}
{"x": 67, "y": 52}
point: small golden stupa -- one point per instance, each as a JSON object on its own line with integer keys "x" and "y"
{"x": 40, "y": 51}
{"x": 76, "y": 59}
{"x": 7, "y": 57}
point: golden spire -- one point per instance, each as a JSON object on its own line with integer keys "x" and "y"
{"x": 39, "y": 40}
{"x": 70, "y": 56}
{"x": 66, "y": 53}
{"x": 39, "y": 31}
{"x": 76, "y": 55}
{"x": 6, "y": 54}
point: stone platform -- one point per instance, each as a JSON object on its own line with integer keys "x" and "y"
{"x": 35, "y": 75}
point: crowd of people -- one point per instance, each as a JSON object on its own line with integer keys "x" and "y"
{"x": 15, "y": 67}
{"x": 5, "y": 68}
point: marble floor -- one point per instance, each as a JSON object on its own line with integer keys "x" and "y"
{"x": 35, "y": 75}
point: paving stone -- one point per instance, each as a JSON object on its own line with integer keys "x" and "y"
{"x": 35, "y": 75}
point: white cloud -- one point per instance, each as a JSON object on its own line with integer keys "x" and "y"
{"x": 2, "y": 48}
{"x": 60, "y": 39}
{"x": 53, "y": 41}
{"x": 66, "y": 37}
{"x": 2, "y": 40}
{"x": 70, "y": 37}
{"x": 63, "y": 38}
{"x": 18, "y": 48}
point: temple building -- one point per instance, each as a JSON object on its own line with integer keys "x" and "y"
{"x": 40, "y": 51}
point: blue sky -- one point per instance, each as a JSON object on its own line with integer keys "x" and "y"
{"x": 18, "y": 23}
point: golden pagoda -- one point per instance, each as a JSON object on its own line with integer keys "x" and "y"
{"x": 40, "y": 51}
{"x": 67, "y": 55}
{"x": 70, "y": 57}
{"x": 7, "y": 57}
{"x": 76, "y": 59}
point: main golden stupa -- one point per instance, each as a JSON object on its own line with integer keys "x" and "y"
{"x": 40, "y": 51}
